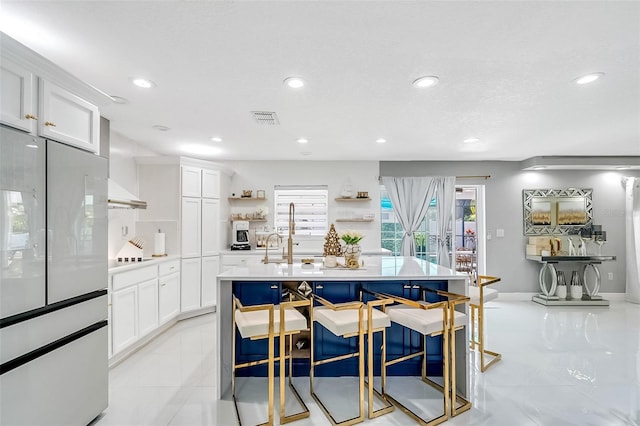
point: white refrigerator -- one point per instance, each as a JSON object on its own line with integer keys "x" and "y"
{"x": 53, "y": 279}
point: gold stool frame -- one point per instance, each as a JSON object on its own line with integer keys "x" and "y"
{"x": 477, "y": 311}
{"x": 271, "y": 359}
{"x": 360, "y": 354}
{"x": 453, "y": 299}
{"x": 445, "y": 389}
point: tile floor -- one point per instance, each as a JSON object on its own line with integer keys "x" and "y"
{"x": 561, "y": 366}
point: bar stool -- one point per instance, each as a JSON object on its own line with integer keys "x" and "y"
{"x": 480, "y": 294}
{"x": 430, "y": 319}
{"x": 268, "y": 321}
{"x": 346, "y": 320}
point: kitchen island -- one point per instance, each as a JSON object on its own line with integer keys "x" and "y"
{"x": 379, "y": 273}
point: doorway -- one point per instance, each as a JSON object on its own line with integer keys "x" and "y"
{"x": 469, "y": 230}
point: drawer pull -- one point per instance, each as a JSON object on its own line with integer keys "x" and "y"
{"x": 319, "y": 287}
{"x": 171, "y": 268}
{"x": 416, "y": 286}
{"x": 274, "y": 287}
{"x": 49, "y": 124}
{"x": 406, "y": 286}
{"x": 30, "y": 117}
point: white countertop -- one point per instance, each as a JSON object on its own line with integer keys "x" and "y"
{"x": 375, "y": 268}
{"x": 114, "y": 266}
{"x": 298, "y": 252}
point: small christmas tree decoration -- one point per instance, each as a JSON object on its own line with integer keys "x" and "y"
{"x": 332, "y": 245}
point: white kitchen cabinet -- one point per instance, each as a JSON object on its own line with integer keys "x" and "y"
{"x": 190, "y": 284}
{"x": 17, "y": 107}
{"x": 41, "y": 98}
{"x": 147, "y": 307}
{"x": 191, "y": 181}
{"x": 191, "y": 227}
{"x": 210, "y": 271}
{"x": 169, "y": 297}
{"x": 210, "y": 183}
{"x": 124, "y": 311}
{"x": 210, "y": 227}
{"x": 68, "y": 118}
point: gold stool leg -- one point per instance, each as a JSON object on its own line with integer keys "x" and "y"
{"x": 360, "y": 354}
{"x": 455, "y": 398}
{"x": 388, "y": 407}
{"x": 477, "y": 341}
{"x": 283, "y": 359}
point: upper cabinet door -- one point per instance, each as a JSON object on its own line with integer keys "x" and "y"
{"x": 68, "y": 118}
{"x": 16, "y": 102}
{"x": 210, "y": 183}
{"x": 191, "y": 181}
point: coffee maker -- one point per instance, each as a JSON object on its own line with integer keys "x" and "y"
{"x": 240, "y": 235}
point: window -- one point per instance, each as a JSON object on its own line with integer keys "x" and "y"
{"x": 311, "y": 209}
{"x": 391, "y": 231}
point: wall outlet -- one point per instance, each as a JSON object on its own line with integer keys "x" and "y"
{"x": 500, "y": 233}
{"x": 488, "y": 235}
{"x": 610, "y": 276}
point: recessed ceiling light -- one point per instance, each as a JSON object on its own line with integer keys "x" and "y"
{"x": 160, "y": 128}
{"x": 381, "y": 140}
{"x": 216, "y": 139}
{"x": 427, "y": 81}
{"x": 589, "y": 78}
{"x": 471, "y": 140}
{"x": 302, "y": 140}
{"x": 617, "y": 168}
{"x": 539, "y": 167}
{"x": 294, "y": 82}
{"x": 305, "y": 153}
{"x": 143, "y": 82}
{"x": 119, "y": 100}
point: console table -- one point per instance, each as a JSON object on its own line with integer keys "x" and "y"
{"x": 548, "y": 280}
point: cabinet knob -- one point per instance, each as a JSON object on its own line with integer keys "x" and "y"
{"x": 30, "y": 117}
{"x": 319, "y": 287}
{"x": 406, "y": 286}
{"x": 49, "y": 123}
{"x": 274, "y": 287}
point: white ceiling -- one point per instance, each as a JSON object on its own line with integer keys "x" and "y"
{"x": 506, "y": 73}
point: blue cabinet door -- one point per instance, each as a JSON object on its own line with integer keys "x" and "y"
{"x": 254, "y": 293}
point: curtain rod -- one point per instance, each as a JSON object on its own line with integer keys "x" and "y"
{"x": 485, "y": 177}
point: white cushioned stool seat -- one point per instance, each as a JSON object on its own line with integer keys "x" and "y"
{"x": 346, "y": 321}
{"x": 474, "y": 294}
{"x": 425, "y": 321}
{"x": 256, "y": 323}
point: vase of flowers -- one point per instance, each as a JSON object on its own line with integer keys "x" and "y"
{"x": 351, "y": 249}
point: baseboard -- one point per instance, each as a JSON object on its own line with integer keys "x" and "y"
{"x": 519, "y": 297}
{"x": 139, "y": 344}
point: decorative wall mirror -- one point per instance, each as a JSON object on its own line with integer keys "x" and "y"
{"x": 556, "y": 211}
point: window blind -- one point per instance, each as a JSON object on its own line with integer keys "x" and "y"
{"x": 311, "y": 205}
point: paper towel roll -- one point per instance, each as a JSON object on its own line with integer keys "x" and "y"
{"x": 158, "y": 249}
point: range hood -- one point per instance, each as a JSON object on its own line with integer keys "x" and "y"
{"x": 120, "y": 198}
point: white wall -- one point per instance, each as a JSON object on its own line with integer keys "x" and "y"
{"x": 123, "y": 170}
{"x": 506, "y": 256}
{"x": 263, "y": 175}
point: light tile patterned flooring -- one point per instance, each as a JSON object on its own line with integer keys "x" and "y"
{"x": 561, "y": 366}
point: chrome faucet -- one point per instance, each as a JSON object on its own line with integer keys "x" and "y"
{"x": 266, "y": 247}
{"x": 292, "y": 231}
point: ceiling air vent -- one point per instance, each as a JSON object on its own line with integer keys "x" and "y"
{"x": 265, "y": 118}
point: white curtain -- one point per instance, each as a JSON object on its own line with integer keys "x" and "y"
{"x": 632, "y": 218}
{"x": 410, "y": 198}
{"x": 445, "y": 198}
